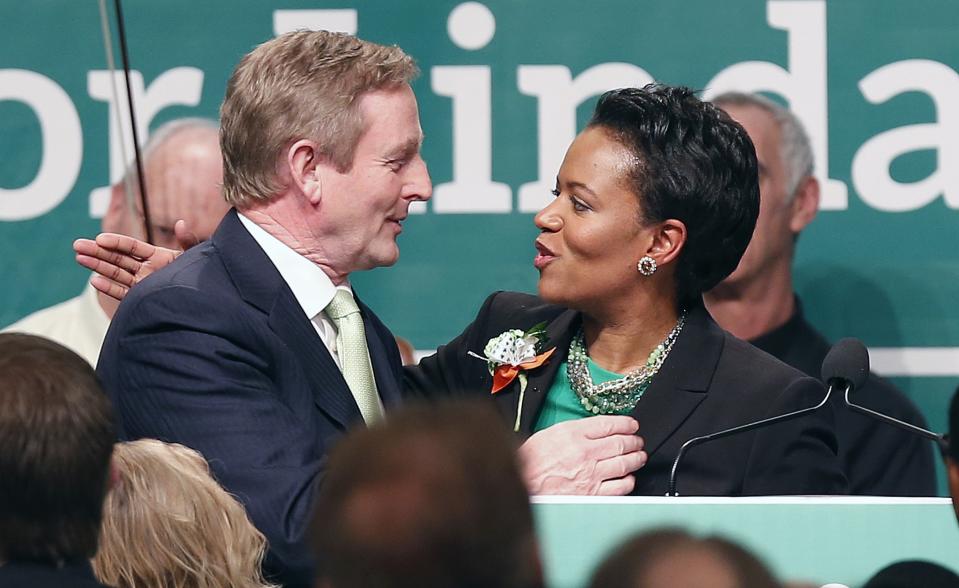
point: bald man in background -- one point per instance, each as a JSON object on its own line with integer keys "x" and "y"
{"x": 757, "y": 303}
{"x": 183, "y": 171}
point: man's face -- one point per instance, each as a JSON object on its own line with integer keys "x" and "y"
{"x": 773, "y": 239}
{"x": 361, "y": 210}
{"x": 184, "y": 177}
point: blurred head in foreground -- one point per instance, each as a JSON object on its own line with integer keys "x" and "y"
{"x": 56, "y": 437}
{"x": 432, "y": 498}
{"x": 914, "y": 574}
{"x": 168, "y": 524}
{"x": 671, "y": 558}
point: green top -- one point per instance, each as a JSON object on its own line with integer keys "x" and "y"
{"x": 562, "y": 404}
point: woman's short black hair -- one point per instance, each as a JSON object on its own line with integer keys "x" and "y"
{"x": 693, "y": 163}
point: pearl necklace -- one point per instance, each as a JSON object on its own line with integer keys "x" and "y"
{"x": 617, "y": 396}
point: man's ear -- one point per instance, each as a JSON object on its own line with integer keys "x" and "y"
{"x": 668, "y": 241}
{"x": 304, "y": 165}
{"x": 804, "y": 205}
{"x": 116, "y": 219}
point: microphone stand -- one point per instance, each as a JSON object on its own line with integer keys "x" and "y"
{"x": 940, "y": 440}
{"x": 674, "y": 473}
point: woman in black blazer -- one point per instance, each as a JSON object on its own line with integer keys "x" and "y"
{"x": 655, "y": 203}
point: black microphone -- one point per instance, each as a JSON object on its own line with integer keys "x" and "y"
{"x": 848, "y": 367}
{"x": 861, "y": 350}
{"x": 846, "y": 364}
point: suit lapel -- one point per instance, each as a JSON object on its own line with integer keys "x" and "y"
{"x": 260, "y": 284}
{"x": 682, "y": 381}
{"x": 331, "y": 394}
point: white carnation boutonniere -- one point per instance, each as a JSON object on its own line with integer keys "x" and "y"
{"x": 510, "y": 355}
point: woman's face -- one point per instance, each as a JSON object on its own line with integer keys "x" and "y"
{"x": 591, "y": 235}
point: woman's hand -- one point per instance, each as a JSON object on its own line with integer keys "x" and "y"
{"x": 120, "y": 262}
{"x": 590, "y": 456}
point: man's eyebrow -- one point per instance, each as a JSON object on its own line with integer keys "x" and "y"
{"x": 407, "y": 148}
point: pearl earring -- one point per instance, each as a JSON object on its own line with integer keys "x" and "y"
{"x": 646, "y": 266}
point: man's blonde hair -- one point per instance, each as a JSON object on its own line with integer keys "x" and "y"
{"x": 168, "y": 524}
{"x": 301, "y": 85}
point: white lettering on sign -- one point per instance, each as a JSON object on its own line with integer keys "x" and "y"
{"x": 803, "y": 86}
{"x": 337, "y": 20}
{"x": 472, "y": 189}
{"x": 180, "y": 86}
{"x": 61, "y": 145}
{"x": 558, "y": 95}
{"x": 471, "y": 26}
{"x": 870, "y": 166}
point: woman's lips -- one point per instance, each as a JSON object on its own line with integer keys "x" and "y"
{"x": 543, "y": 256}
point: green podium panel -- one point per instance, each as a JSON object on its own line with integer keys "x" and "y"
{"x": 823, "y": 540}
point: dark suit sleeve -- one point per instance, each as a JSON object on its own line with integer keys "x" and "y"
{"x": 178, "y": 372}
{"x": 451, "y": 371}
{"x": 797, "y": 456}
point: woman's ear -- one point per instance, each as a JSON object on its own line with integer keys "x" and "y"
{"x": 669, "y": 237}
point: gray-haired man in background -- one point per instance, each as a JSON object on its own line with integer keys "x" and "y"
{"x": 183, "y": 173}
{"x": 757, "y": 303}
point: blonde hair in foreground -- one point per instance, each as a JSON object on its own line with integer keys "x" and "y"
{"x": 168, "y": 524}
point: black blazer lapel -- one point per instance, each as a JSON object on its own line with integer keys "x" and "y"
{"x": 559, "y": 332}
{"x": 682, "y": 381}
{"x": 260, "y": 284}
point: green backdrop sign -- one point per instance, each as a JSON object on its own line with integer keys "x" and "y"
{"x": 505, "y": 86}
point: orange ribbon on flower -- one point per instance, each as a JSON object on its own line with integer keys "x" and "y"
{"x": 504, "y": 375}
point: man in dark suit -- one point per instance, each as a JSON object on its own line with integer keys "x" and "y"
{"x": 251, "y": 348}
{"x": 56, "y": 439}
{"x": 757, "y": 303}
{"x": 247, "y": 348}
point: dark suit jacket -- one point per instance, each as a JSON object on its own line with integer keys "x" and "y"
{"x": 710, "y": 381}
{"x": 24, "y": 574}
{"x": 214, "y": 352}
{"x": 879, "y": 459}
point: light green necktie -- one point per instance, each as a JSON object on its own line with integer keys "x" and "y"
{"x": 354, "y": 355}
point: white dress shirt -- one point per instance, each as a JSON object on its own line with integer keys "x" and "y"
{"x": 79, "y": 324}
{"x": 311, "y": 287}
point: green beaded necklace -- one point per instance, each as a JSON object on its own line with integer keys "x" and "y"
{"x": 617, "y": 396}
